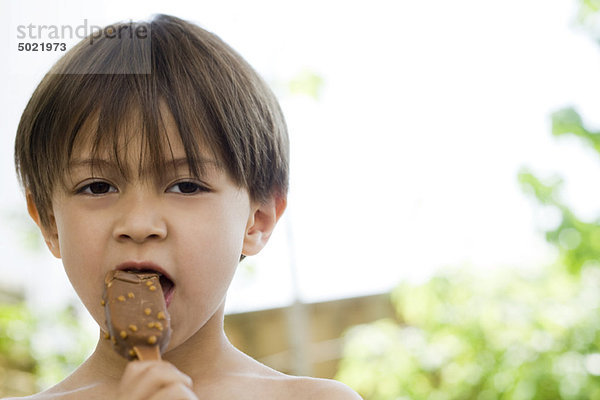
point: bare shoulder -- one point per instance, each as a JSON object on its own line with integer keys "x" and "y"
{"x": 254, "y": 380}
{"x": 59, "y": 392}
{"x": 262, "y": 382}
{"x": 45, "y": 396}
{"x": 315, "y": 388}
{"x": 39, "y": 396}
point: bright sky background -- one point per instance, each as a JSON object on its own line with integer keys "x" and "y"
{"x": 408, "y": 161}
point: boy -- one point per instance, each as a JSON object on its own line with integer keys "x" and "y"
{"x": 156, "y": 147}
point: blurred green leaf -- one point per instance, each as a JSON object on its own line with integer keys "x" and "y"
{"x": 587, "y": 9}
{"x": 567, "y": 121}
{"x": 16, "y": 361}
{"x": 546, "y": 193}
{"x": 578, "y": 241}
{"x": 463, "y": 336}
{"x": 588, "y": 17}
{"x": 38, "y": 350}
{"x": 307, "y": 83}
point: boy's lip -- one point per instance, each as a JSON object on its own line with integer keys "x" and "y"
{"x": 143, "y": 266}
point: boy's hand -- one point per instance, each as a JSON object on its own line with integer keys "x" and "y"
{"x": 154, "y": 380}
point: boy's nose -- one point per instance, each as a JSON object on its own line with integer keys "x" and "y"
{"x": 140, "y": 221}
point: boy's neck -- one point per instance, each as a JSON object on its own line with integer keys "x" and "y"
{"x": 204, "y": 354}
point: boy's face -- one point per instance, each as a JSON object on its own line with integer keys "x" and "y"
{"x": 193, "y": 231}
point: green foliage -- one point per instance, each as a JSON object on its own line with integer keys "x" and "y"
{"x": 17, "y": 365}
{"x": 578, "y": 241}
{"x": 38, "y": 350}
{"x": 506, "y": 336}
{"x": 306, "y": 83}
{"x": 567, "y": 121}
{"x": 588, "y": 16}
{"x": 589, "y": 7}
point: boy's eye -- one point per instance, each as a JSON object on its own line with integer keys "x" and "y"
{"x": 97, "y": 188}
{"x": 186, "y": 188}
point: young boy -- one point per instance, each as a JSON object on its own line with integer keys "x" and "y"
{"x": 155, "y": 147}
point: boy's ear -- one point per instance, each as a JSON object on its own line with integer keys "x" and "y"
{"x": 262, "y": 221}
{"x": 50, "y": 233}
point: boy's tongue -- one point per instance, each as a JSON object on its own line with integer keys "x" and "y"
{"x": 136, "y": 313}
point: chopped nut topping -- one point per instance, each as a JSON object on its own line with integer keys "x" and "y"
{"x": 152, "y": 340}
{"x": 147, "y": 311}
{"x": 121, "y": 298}
{"x": 152, "y": 288}
{"x": 130, "y": 295}
{"x": 123, "y": 335}
{"x": 133, "y": 328}
{"x": 161, "y": 315}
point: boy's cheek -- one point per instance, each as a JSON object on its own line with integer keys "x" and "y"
{"x": 82, "y": 256}
{"x": 89, "y": 290}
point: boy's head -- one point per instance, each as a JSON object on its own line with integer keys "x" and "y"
{"x": 123, "y": 84}
{"x": 179, "y": 170}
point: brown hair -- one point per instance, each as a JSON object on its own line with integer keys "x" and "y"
{"x": 214, "y": 95}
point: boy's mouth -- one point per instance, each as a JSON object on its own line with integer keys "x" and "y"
{"x": 166, "y": 283}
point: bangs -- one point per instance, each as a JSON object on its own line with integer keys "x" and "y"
{"x": 128, "y": 117}
{"x": 119, "y": 107}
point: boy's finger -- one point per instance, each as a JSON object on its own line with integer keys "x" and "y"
{"x": 142, "y": 379}
{"x": 176, "y": 391}
{"x": 160, "y": 371}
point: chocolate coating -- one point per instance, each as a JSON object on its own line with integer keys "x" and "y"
{"x": 136, "y": 313}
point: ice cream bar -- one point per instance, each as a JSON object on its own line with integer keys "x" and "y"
{"x": 136, "y": 314}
